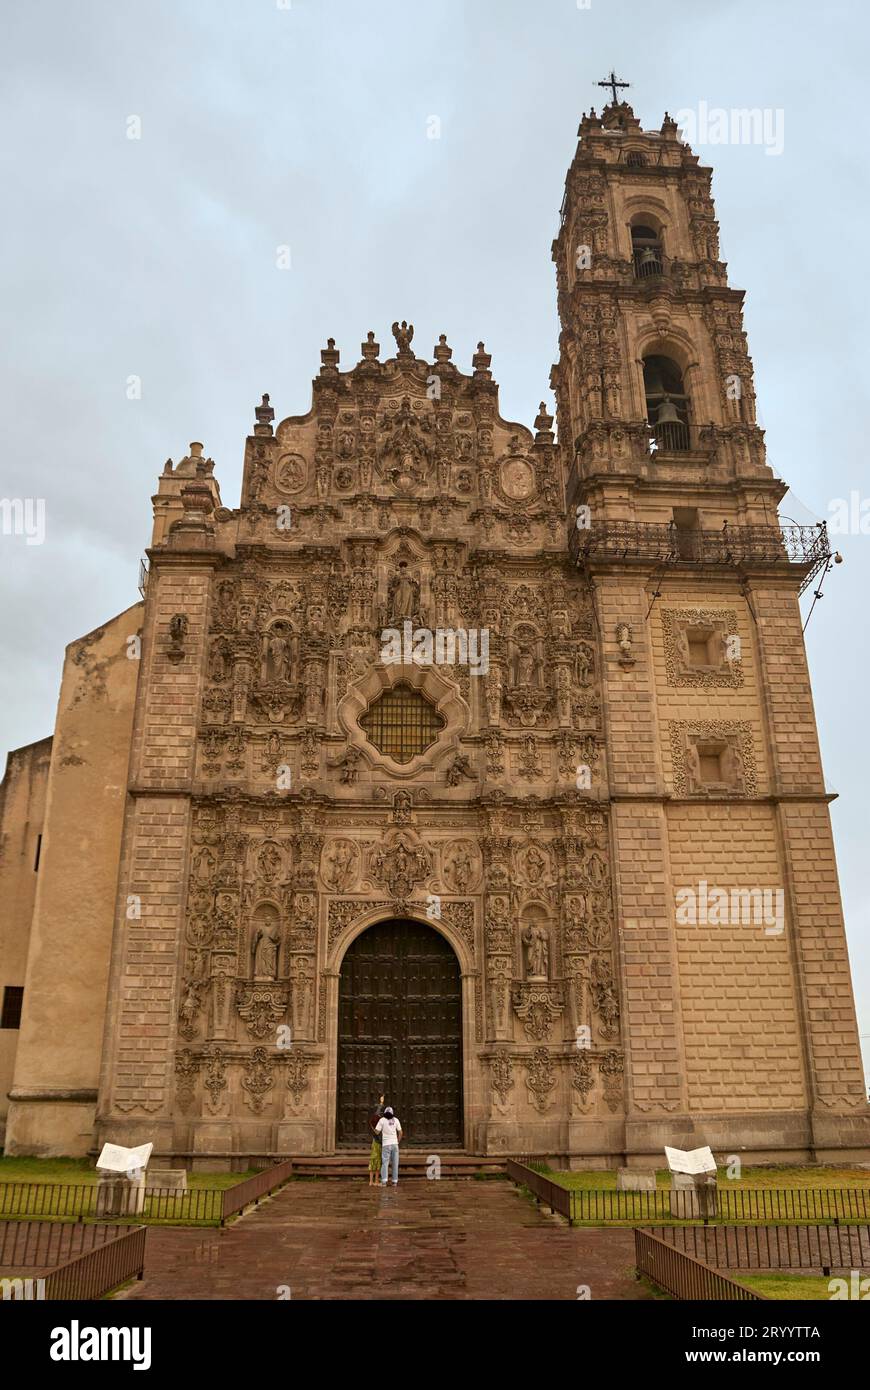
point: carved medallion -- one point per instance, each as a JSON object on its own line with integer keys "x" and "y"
{"x": 517, "y": 479}
{"x": 291, "y": 472}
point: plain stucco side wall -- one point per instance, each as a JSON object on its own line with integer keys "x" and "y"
{"x": 57, "y": 1067}
{"x": 22, "y": 811}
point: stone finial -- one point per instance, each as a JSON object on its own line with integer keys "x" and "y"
{"x": 265, "y": 415}
{"x": 442, "y": 351}
{"x": 544, "y": 425}
{"x": 329, "y": 358}
{"x": 480, "y": 362}
{"x": 370, "y": 348}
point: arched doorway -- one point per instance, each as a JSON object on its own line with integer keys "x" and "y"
{"x": 400, "y": 1033}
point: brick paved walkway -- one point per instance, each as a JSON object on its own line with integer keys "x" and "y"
{"x": 421, "y": 1240}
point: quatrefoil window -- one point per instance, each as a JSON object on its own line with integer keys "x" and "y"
{"x": 401, "y": 723}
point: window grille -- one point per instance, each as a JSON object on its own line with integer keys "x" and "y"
{"x": 401, "y": 723}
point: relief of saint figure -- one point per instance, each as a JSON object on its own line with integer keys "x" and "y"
{"x": 342, "y": 863}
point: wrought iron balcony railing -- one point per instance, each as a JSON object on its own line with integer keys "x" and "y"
{"x": 649, "y": 262}
{"x": 665, "y": 543}
{"x": 672, "y": 437}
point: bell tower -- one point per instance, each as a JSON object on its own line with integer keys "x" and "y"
{"x": 739, "y": 1017}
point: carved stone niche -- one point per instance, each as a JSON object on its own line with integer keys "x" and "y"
{"x": 713, "y": 758}
{"x": 701, "y": 647}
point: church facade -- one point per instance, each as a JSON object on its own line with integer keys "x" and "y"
{"x": 461, "y": 761}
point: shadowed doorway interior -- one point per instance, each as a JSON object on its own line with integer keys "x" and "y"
{"x": 400, "y": 1033}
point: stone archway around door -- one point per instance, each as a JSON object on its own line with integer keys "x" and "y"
{"x": 400, "y": 1033}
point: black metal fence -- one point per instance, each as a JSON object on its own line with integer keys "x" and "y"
{"x": 108, "y": 1256}
{"x": 79, "y": 1201}
{"x": 597, "y": 1206}
{"x": 204, "y": 1206}
{"x": 260, "y": 1185}
{"x": 98, "y": 1271}
{"x": 822, "y": 1248}
{"x": 683, "y": 1276}
{"x": 31, "y": 1244}
{"x": 552, "y": 1194}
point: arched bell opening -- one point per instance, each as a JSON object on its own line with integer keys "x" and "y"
{"x": 667, "y": 403}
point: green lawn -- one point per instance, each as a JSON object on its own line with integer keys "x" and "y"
{"x": 810, "y": 1176}
{"x": 82, "y": 1170}
{"x": 812, "y": 1196}
{"x": 790, "y": 1286}
{"x": 75, "y": 1199}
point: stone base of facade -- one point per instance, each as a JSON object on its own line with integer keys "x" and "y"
{"x": 772, "y": 1137}
{"x": 53, "y": 1125}
{"x": 576, "y": 1143}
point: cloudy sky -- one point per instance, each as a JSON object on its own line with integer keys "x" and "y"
{"x": 305, "y": 124}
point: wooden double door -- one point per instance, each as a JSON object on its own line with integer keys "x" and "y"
{"x": 400, "y": 1034}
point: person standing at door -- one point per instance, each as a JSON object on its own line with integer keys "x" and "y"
{"x": 375, "y": 1154}
{"x": 390, "y": 1129}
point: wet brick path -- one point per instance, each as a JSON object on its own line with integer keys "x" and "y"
{"x": 448, "y": 1239}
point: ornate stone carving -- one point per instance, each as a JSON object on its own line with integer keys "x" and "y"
{"x": 258, "y": 1080}
{"x": 612, "y": 1069}
{"x": 187, "y": 1068}
{"x": 582, "y": 1079}
{"x": 341, "y": 915}
{"x": 501, "y": 1077}
{"x": 625, "y": 642}
{"x": 262, "y": 1007}
{"x": 540, "y": 1079}
{"x": 340, "y": 865}
{"x": 538, "y": 1006}
{"x": 460, "y": 916}
{"x": 461, "y": 869}
{"x": 298, "y": 1063}
{"x": 215, "y": 1079}
{"x": 401, "y": 865}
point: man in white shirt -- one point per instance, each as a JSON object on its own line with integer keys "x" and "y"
{"x": 390, "y": 1130}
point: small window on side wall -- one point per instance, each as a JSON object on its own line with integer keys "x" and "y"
{"x": 10, "y": 1014}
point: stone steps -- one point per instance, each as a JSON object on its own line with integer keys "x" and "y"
{"x": 414, "y": 1163}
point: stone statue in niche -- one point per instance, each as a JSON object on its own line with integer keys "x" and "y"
{"x": 189, "y": 1009}
{"x": 403, "y": 597}
{"x": 526, "y": 667}
{"x": 276, "y": 656}
{"x": 265, "y": 949}
{"x": 219, "y": 662}
{"x": 536, "y": 940}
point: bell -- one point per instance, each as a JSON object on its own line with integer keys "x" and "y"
{"x": 648, "y": 256}
{"x": 668, "y": 413}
